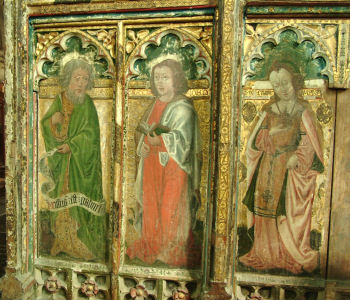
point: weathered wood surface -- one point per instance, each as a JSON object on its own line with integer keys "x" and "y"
{"x": 339, "y": 241}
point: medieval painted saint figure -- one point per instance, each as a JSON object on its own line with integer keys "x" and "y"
{"x": 168, "y": 174}
{"x": 71, "y": 131}
{"x": 284, "y": 157}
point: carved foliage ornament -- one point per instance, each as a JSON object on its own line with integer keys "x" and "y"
{"x": 89, "y": 288}
{"x": 107, "y": 38}
{"x": 50, "y": 281}
{"x": 139, "y": 292}
{"x": 137, "y": 288}
{"x": 181, "y": 293}
{"x": 134, "y": 37}
{"x": 52, "y": 284}
{"x": 43, "y": 40}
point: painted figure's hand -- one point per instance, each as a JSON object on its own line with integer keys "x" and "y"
{"x": 145, "y": 150}
{"x": 276, "y": 129}
{"x": 292, "y": 162}
{"x": 63, "y": 149}
{"x": 154, "y": 140}
{"x": 57, "y": 118}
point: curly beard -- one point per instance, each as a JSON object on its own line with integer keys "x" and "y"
{"x": 75, "y": 99}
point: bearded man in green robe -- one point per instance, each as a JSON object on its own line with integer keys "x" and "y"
{"x": 70, "y": 129}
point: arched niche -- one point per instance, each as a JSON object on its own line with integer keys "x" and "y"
{"x": 288, "y": 44}
{"x": 144, "y": 49}
{"x": 308, "y": 60}
{"x": 53, "y": 50}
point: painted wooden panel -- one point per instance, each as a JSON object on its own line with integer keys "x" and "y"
{"x": 286, "y": 146}
{"x": 74, "y": 147}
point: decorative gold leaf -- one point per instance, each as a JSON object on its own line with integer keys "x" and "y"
{"x": 102, "y": 34}
{"x": 196, "y": 31}
{"x": 260, "y": 28}
{"x": 250, "y": 29}
{"x": 131, "y": 35}
{"x": 329, "y": 31}
{"x": 40, "y": 37}
{"x": 206, "y": 32}
{"x": 43, "y": 40}
{"x": 129, "y": 47}
{"x": 52, "y": 35}
{"x": 207, "y": 42}
{"x": 142, "y": 34}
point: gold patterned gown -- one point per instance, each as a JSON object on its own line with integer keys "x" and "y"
{"x": 279, "y": 198}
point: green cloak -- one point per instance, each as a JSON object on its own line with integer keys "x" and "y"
{"x": 85, "y": 172}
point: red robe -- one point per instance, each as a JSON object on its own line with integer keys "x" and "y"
{"x": 166, "y": 235}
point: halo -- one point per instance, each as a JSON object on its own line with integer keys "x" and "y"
{"x": 161, "y": 58}
{"x": 76, "y": 55}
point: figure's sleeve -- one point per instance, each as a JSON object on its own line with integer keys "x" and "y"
{"x": 252, "y": 153}
{"x": 179, "y": 140}
{"x": 138, "y": 136}
{"x": 46, "y": 129}
{"x": 304, "y": 152}
{"x": 309, "y": 149}
{"x": 263, "y": 140}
